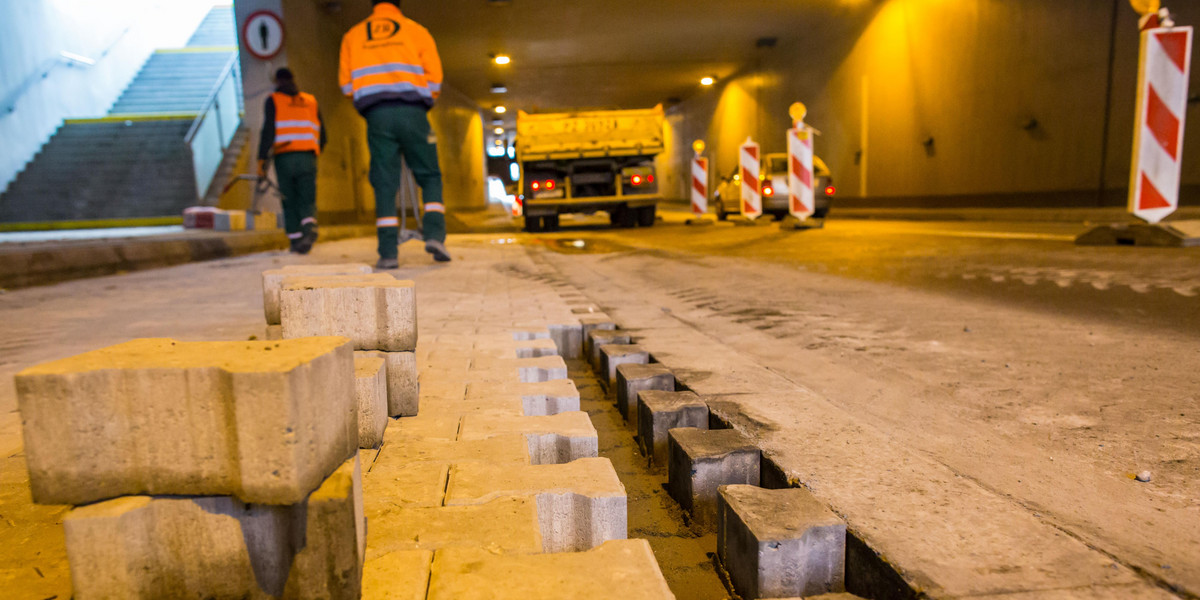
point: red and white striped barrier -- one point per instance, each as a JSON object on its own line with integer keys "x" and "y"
{"x": 1161, "y": 107}
{"x": 518, "y": 206}
{"x": 751, "y": 167}
{"x": 699, "y": 185}
{"x": 801, "y": 196}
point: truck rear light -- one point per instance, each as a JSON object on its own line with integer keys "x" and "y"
{"x": 649, "y": 179}
{"x": 636, "y": 180}
{"x": 537, "y": 185}
{"x": 768, "y": 191}
{"x": 830, "y": 190}
{"x": 549, "y": 184}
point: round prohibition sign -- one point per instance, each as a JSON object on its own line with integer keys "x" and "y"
{"x": 263, "y": 34}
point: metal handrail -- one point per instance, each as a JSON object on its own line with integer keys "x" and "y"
{"x": 211, "y": 101}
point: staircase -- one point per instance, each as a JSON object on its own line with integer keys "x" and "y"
{"x": 138, "y": 161}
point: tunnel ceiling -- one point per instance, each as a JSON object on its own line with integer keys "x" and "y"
{"x": 570, "y": 54}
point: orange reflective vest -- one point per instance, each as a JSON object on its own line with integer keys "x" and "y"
{"x": 297, "y": 126}
{"x": 390, "y": 57}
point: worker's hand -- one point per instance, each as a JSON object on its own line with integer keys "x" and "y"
{"x": 262, "y": 168}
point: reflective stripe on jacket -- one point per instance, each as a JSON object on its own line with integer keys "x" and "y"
{"x": 297, "y": 124}
{"x": 390, "y": 57}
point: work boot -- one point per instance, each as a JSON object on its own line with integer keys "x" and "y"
{"x": 438, "y": 250}
{"x": 308, "y": 240}
{"x": 387, "y": 263}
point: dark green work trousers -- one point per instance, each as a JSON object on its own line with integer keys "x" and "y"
{"x": 394, "y": 131}
{"x": 297, "y": 174}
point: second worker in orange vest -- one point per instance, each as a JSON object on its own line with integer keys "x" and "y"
{"x": 295, "y": 132}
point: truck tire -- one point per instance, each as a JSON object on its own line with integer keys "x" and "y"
{"x": 550, "y": 223}
{"x": 622, "y": 217}
{"x": 533, "y": 224}
{"x": 645, "y": 216}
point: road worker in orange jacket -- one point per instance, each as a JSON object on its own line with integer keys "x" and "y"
{"x": 295, "y": 132}
{"x": 391, "y": 69}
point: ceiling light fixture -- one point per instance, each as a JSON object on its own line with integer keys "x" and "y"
{"x": 501, "y": 59}
{"x": 499, "y": 131}
{"x": 708, "y": 80}
{"x": 499, "y": 88}
{"x": 501, "y": 110}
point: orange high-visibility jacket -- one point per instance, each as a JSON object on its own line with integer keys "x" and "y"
{"x": 297, "y": 123}
{"x": 390, "y": 57}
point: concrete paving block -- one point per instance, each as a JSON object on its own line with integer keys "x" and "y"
{"x": 504, "y": 525}
{"x": 536, "y": 370}
{"x": 272, "y": 280}
{"x": 660, "y": 412}
{"x": 535, "y": 349}
{"x": 568, "y": 338}
{"x": 403, "y": 382}
{"x": 370, "y": 390}
{"x": 431, "y": 427}
{"x": 634, "y": 378}
{"x": 555, "y": 439}
{"x": 377, "y": 312}
{"x": 779, "y": 543}
{"x": 274, "y": 333}
{"x": 615, "y": 570}
{"x": 614, "y": 355}
{"x": 581, "y": 504}
{"x": 541, "y": 398}
{"x": 219, "y": 547}
{"x": 402, "y": 575}
{"x": 266, "y": 422}
{"x": 531, "y": 333}
{"x": 602, "y": 337}
{"x": 396, "y": 484}
{"x": 702, "y": 460}
{"x": 509, "y": 450}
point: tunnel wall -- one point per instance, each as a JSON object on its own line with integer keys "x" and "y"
{"x": 973, "y": 76}
{"x": 38, "y": 90}
{"x": 311, "y": 49}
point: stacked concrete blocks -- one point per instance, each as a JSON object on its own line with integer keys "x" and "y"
{"x": 700, "y": 461}
{"x": 377, "y": 312}
{"x": 779, "y": 543}
{"x": 602, "y": 337}
{"x": 212, "y": 461}
{"x": 635, "y": 378}
{"x": 614, "y": 355}
{"x": 658, "y": 413}
{"x": 273, "y": 280}
{"x": 370, "y": 390}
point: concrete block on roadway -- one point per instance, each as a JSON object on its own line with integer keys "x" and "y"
{"x": 568, "y": 338}
{"x": 504, "y": 525}
{"x": 377, "y": 312}
{"x": 531, "y": 333}
{"x": 503, "y": 347}
{"x": 541, "y": 369}
{"x": 509, "y": 450}
{"x": 219, "y": 547}
{"x": 581, "y": 504}
{"x": 594, "y": 322}
{"x": 266, "y": 422}
{"x": 402, "y": 575}
{"x": 614, "y": 355}
{"x": 659, "y": 412}
{"x": 370, "y": 390}
{"x": 272, "y": 281}
{"x": 634, "y": 378}
{"x": 602, "y": 337}
{"x": 700, "y": 461}
{"x": 403, "y": 382}
{"x": 616, "y": 570}
{"x": 555, "y": 439}
{"x": 541, "y": 398}
{"x": 779, "y": 543}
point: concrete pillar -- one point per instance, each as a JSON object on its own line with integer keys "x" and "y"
{"x": 700, "y": 461}
{"x": 634, "y": 378}
{"x": 779, "y": 543}
{"x": 190, "y": 419}
{"x": 660, "y": 412}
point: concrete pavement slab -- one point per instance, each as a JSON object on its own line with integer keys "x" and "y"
{"x": 616, "y": 570}
{"x": 539, "y": 398}
{"x": 402, "y": 575}
{"x": 504, "y": 525}
{"x": 553, "y": 439}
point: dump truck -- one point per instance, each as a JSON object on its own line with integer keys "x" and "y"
{"x": 586, "y": 162}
